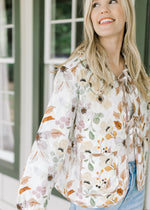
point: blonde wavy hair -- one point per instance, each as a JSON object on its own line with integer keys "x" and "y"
{"x": 96, "y": 56}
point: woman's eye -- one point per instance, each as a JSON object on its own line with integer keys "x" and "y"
{"x": 95, "y": 5}
{"x": 113, "y": 2}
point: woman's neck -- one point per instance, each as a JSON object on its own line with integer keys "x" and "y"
{"x": 112, "y": 48}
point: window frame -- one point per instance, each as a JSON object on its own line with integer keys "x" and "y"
{"x": 73, "y": 20}
{"x": 143, "y": 31}
{"x": 12, "y": 169}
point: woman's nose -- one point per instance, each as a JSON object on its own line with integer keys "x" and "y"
{"x": 104, "y": 10}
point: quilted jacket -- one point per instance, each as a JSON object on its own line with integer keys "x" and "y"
{"x": 83, "y": 141}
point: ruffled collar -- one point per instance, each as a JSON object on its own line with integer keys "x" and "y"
{"x": 124, "y": 79}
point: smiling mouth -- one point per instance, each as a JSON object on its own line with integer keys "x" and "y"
{"x": 106, "y": 21}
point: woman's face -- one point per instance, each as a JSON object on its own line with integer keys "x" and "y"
{"x": 108, "y": 18}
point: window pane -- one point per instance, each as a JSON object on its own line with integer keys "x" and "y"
{"x": 61, "y": 9}
{"x": 79, "y": 8}
{"x": 12, "y": 107}
{"x": 10, "y": 42}
{"x": 6, "y": 125}
{"x": 6, "y": 37}
{"x": 8, "y": 7}
{"x": 60, "y": 40}
{"x": 7, "y": 108}
{"x": 79, "y": 33}
{"x": 7, "y": 104}
{"x": 6, "y": 30}
{"x": 7, "y": 142}
{"x": 6, "y": 77}
{"x": 7, "y": 92}
{"x": 6, "y": 12}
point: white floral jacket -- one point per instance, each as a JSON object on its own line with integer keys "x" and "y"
{"x": 82, "y": 144}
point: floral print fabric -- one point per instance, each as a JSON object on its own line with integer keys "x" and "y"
{"x": 83, "y": 143}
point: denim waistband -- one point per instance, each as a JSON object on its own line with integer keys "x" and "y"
{"x": 132, "y": 162}
{"x": 132, "y": 166}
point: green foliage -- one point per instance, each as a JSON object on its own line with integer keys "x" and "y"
{"x": 91, "y": 135}
{"x": 90, "y": 167}
{"x": 63, "y": 40}
{"x": 92, "y": 202}
{"x": 63, "y": 9}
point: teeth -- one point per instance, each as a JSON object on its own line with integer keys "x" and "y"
{"x": 106, "y": 20}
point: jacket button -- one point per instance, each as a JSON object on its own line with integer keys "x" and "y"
{"x": 100, "y": 98}
{"x": 50, "y": 177}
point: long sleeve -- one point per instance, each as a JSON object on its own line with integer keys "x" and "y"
{"x": 50, "y": 145}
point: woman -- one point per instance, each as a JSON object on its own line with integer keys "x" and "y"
{"x": 92, "y": 144}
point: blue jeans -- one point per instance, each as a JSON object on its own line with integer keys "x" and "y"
{"x": 134, "y": 199}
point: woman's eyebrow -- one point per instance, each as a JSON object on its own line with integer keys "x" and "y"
{"x": 94, "y": 1}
